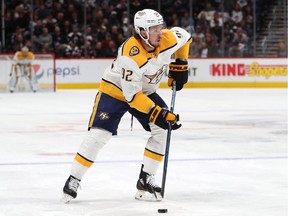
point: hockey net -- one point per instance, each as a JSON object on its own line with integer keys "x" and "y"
{"x": 43, "y": 67}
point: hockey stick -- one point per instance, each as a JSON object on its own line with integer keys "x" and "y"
{"x": 168, "y": 141}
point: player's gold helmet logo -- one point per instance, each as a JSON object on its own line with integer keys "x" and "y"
{"x": 134, "y": 51}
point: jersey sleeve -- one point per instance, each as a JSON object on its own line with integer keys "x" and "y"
{"x": 183, "y": 39}
{"x": 15, "y": 57}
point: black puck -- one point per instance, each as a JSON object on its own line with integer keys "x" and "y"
{"x": 162, "y": 210}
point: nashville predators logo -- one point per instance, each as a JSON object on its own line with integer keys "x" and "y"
{"x": 156, "y": 78}
{"x": 134, "y": 51}
{"x": 103, "y": 116}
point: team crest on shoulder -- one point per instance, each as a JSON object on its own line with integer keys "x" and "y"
{"x": 134, "y": 51}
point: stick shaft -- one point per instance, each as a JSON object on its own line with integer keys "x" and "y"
{"x": 165, "y": 166}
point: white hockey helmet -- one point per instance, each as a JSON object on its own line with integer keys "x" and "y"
{"x": 145, "y": 19}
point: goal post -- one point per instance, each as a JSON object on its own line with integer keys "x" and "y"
{"x": 43, "y": 66}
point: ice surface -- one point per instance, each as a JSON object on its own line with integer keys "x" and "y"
{"x": 228, "y": 159}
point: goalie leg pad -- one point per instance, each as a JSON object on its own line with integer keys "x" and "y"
{"x": 12, "y": 82}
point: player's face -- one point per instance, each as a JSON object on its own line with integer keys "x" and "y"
{"x": 155, "y": 35}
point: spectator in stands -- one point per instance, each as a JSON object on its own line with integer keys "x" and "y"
{"x": 42, "y": 12}
{"x": 217, "y": 31}
{"x": 72, "y": 50}
{"x": 198, "y": 33}
{"x": 282, "y": 49}
{"x": 49, "y": 22}
{"x": 88, "y": 33}
{"x": 25, "y": 6}
{"x": 34, "y": 44}
{"x": 100, "y": 52}
{"x": 242, "y": 3}
{"x": 202, "y": 21}
{"x": 241, "y": 36}
{"x": 223, "y": 48}
{"x": 187, "y": 20}
{"x": 236, "y": 50}
{"x": 211, "y": 48}
{"x": 126, "y": 28}
{"x": 66, "y": 29}
{"x": 237, "y": 14}
{"x": 121, "y": 9}
{"x": 46, "y": 48}
{"x": 21, "y": 19}
{"x": 58, "y": 37}
{"x": 216, "y": 18}
{"x": 18, "y": 43}
{"x": 120, "y": 39}
{"x": 208, "y": 11}
{"x": 175, "y": 20}
{"x": 75, "y": 19}
{"x": 75, "y": 36}
{"x": 113, "y": 20}
{"x": 111, "y": 50}
{"x": 45, "y": 37}
{"x": 38, "y": 26}
{"x": 223, "y": 12}
{"x": 9, "y": 28}
{"x": 196, "y": 47}
{"x": 60, "y": 20}
{"x": 108, "y": 13}
{"x": 187, "y": 27}
{"x": 248, "y": 20}
{"x": 87, "y": 50}
{"x": 135, "y": 6}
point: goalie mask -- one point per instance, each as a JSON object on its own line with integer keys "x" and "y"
{"x": 145, "y": 19}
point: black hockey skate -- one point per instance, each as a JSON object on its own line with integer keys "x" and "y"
{"x": 70, "y": 189}
{"x": 147, "y": 189}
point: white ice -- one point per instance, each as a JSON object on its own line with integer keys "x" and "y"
{"x": 228, "y": 159}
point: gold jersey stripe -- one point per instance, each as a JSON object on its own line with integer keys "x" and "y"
{"x": 96, "y": 102}
{"x": 112, "y": 90}
{"x": 83, "y": 161}
{"x": 168, "y": 40}
{"x": 153, "y": 155}
{"x": 183, "y": 51}
{"x": 141, "y": 102}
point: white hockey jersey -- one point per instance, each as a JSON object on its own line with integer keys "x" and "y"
{"x": 136, "y": 72}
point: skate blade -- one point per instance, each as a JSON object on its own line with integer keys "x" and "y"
{"x": 146, "y": 196}
{"x": 66, "y": 198}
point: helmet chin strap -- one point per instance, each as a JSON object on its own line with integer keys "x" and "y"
{"x": 146, "y": 40}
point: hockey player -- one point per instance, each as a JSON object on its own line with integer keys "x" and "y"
{"x": 22, "y": 67}
{"x": 130, "y": 84}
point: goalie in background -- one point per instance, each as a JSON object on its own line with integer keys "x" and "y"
{"x": 22, "y": 68}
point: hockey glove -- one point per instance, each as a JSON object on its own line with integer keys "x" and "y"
{"x": 161, "y": 117}
{"x": 178, "y": 72}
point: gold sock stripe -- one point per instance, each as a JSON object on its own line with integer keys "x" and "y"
{"x": 83, "y": 161}
{"x": 153, "y": 155}
{"x": 96, "y": 102}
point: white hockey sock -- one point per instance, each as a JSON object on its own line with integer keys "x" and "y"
{"x": 93, "y": 142}
{"x": 155, "y": 149}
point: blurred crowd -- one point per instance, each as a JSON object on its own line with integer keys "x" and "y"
{"x": 95, "y": 29}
